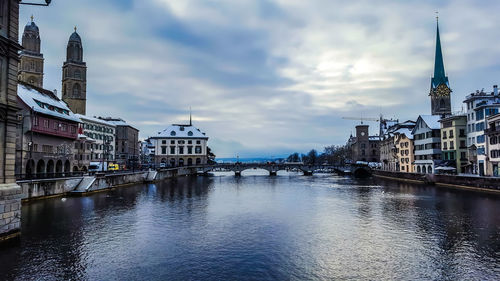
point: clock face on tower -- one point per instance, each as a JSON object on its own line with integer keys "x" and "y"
{"x": 442, "y": 90}
{"x": 362, "y": 133}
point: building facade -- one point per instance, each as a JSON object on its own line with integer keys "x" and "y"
{"x": 454, "y": 141}
{"x": 180, "y": 145}
{"x": 427, "y": 141}
{"x": 148, "y": 152}
{"x": 102, "y": 148}
{"x": 480, "y": 105}
{"x": 364, "y": 147}
{"x": 74, "y": 76}
{"x": 396, "y": 148}
{"x": 405, "y": 155}
{"x": 493, "y": 146}
{"x": 30, "y": 57}
{"x": 47, "y": 134}
{"x": 127, "y": 148}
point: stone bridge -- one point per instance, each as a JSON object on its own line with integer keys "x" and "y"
{"x": 273, "y": 168}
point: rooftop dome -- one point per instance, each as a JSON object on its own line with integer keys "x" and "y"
{"x": 75, "y": 38}
{"x": 31, "y": 27}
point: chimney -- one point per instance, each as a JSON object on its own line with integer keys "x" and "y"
{"x": 495, "y": 90}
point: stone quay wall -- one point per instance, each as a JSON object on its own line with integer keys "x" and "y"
{"x": 46, "y": 188}
{"x": 10, "y": 211}
{"x": 475, "y": 183}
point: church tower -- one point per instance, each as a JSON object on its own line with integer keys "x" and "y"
{"x": 440, "y": 87}
{"x": 30, "y": 69}
{"x": 74, "y": 76}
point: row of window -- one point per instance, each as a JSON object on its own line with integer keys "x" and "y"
{"x": 434, "y": 145}
{"x": 57, "y": 126}
{"x": 98, "y": 136}
{"x": 430, "y": 134}
{"x": 495, "y": 153}
{"x": 180, "y": 149}
{"x": 51, "y": 107}
{"x": 180, "y": 142}
{"x": 98, "y": 128}
{"x": 95, "y": 146}
{"x": 428, "y": 157}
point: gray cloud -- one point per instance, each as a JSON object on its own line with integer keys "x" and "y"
{"x": 268, "y": 77}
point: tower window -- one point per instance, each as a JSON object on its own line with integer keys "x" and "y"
{"x": 78, "y": 74}
{"x": 442, "y": 104}
{"x": 76, "y": 90}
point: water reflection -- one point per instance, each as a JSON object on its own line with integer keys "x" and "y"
{"x": 260, "y": 227}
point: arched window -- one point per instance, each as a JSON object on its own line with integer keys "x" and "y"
{"x": 429, "y": 170}
{"x": 76, "y": 90}
{"x": 423, "y": 169}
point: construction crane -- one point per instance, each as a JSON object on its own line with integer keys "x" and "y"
{"x": 362, "y": 119}
{"x": 384, "y": 123}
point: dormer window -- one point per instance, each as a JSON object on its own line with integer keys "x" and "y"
{"x": 172, "y": 133}
{"x": 190, "y": 133}
{"x": 182, "y": 128}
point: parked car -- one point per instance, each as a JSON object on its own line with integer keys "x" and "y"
{"x": 113, "y": 167}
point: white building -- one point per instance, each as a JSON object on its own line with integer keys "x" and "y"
{"x": 493, "y": 146}
{"x": 180, "y": 145}
{"x": 427, "y": 141}
{"x": 103, "y": 134}
{"x": 479, "y": 106}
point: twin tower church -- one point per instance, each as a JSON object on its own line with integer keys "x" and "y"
{"x": 74, "y": 69}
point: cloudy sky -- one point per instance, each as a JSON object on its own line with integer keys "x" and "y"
{"x": 269, "y": 77}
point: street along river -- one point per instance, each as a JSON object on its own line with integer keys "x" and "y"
{"x": 287, "y": 227}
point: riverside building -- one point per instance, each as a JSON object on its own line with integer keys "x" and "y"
{"x": 454, "y": 142}
{"x": 427, "y": 141}
{"x": 180, "y": 145}
{"x": 103, "y": 135}
{"x": 47, "y": 134}
{"x": 493, "y": 146}
{"x": 364, "y": 147}
{"x": 480, "y": 105}
{"x": 127, "y": 148}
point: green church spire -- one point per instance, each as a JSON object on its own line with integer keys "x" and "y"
{"x": 439, "y": 74}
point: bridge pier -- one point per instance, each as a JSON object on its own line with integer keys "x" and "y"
{"x": 237, "y": 173}
{"x": 273, "y": 173}
{"x": 308, "y": 173}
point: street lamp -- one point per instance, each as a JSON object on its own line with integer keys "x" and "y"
{"x": 47, "y": 2}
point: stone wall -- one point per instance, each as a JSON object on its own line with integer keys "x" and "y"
{"x": 10, "y": 211}
{"x": 33, "y": 189}
{"x": 488, "y": 184}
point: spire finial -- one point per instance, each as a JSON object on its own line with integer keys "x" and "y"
{"x": 190, "y": 117}
{"x": 32, "y": 18}
{"x": 75, "y": 28}
{"x": 437, "y": 16}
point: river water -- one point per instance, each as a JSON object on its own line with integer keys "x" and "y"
{"x": 256, "y": 227}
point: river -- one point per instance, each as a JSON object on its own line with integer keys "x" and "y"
{"x": 256, "y": 227}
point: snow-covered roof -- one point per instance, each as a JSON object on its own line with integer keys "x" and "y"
{"x": 405, "y": 131}
{"x": 432, "y": 121}
{"x": 94, "y": 119}
{"x": 181, "y": 131}
{"x": 45, "y": 102}
{"x": 373, "y": 138}
{"x": 118, "y": 122}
